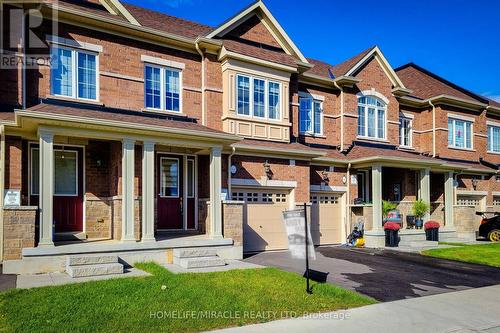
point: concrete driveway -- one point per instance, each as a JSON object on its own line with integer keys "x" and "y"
{"x": 386, "y": 275}
{"x": 7, "y": 281}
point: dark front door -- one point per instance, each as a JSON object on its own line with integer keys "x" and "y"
{"x": 170, "y": 192}
{"x": 68, "y": 187}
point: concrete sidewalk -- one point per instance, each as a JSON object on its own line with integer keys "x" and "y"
{"x": 473, "y": 310}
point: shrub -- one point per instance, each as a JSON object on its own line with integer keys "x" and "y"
{"x": 431, "y": 225}
{"x": 392, "y": 226}
{"x": 420, "y": 208}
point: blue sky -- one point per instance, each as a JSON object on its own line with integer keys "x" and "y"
{"x": 456, "y": 39}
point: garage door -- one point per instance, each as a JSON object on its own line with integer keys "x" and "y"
{"x": 263, "y": 227}
{"x": 326, "y": 218}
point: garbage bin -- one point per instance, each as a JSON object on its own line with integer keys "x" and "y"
{"x": 391, "y": 234}
{"x": 432, "y": 231}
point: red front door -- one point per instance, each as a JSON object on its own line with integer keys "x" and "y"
{"x": 68, "y": 186}
{"x": 170, "y": 192}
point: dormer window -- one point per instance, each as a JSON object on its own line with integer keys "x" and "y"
{"x": 74, "y": 73}
{"x": 258, "y": 97}
{"x": 371, "y": 117}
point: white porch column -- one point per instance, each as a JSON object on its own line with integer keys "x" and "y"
{"x": 46, "y": 187}
{"x": 215, "y": 192}
{"x": 148, "y": 192}
{"x": 425, "y": 188}
{"x": 128, "y": 209}
{"x": 449, "y": 200}
{"x": 377, "y": 197}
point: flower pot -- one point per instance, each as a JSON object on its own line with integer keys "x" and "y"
{"x": 419, "y": 223}
{"x": 432, "y": 234}
{"x": 391, "y": 238}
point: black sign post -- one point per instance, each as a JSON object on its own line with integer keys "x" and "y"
{"x": 308, "y": 289}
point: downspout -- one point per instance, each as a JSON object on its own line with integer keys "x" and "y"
{"x": 203, "y": 117}
{"x": 229, "y": 173}
{"x": 433, "y": 129}
{"x": 341, "y": 115}
{"x": 2, "y": 180}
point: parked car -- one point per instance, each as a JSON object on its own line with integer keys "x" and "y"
{"x": 490, "y": 227}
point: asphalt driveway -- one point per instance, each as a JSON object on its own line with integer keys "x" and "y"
{"x": 7, "y": 281}
{"x": 386, "y": 275}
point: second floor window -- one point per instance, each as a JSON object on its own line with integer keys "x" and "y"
{"x": 371, "y": 117}
{"x": 459, "y": 133}
{"x": 405, "y": 132}
{"x": 73, "y": 73}
{"x": 310, "y": 115}
{"x": 162, "y": 88}
{"x": 258, "y": 98}
{"x": 494, "y": 139}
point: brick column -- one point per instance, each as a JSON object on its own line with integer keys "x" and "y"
{"x": 128, "y": 202}
{"x": 46, "y": 187}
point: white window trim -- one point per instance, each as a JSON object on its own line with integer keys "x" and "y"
{"x": 162, "y": 195}
{"x": 401, "y": 117}
{"x": 74, "y": 81}
{"x": 464, "y": 119}
{"x": 314, "y": 98}
{"x": 193, "y": 188}
{"x": 251, "y": 79}
{"x": 490, "y": 126}
{"x": 461, "y": 117}
{"x": 65, "y": 42}
{"x": 162, "y": 88}
{"x": 376, "y": 95}
{"x": 162, "y": 62}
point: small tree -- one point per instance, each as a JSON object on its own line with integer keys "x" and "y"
{"x": 387, "y": 206}
{"x": 420, "y": 208}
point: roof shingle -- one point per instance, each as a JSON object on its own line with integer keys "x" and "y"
{"x": 344, "y": 67}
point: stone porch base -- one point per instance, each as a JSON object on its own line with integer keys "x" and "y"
{"x": 53, "y": 259}
{"x": 376, "y": 239}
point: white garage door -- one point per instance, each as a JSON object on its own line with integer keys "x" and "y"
{"x": 263, "y": 227}
{"x": 326, "y": 218}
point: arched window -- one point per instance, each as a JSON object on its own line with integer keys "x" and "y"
{"x": 371, "y": 117}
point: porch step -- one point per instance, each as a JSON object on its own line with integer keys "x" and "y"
{"x": 195, "y": 252}
{"x": 92, "y": 265}
{"x": 197, "y": 257}
{"x": 94, "y": 270}
{"x": 91, "y": 260}
{"x": 199, "y": 262}
{"x": 418, "y": 243}
{"x": 70, "y": 236}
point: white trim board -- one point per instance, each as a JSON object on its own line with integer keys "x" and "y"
{"x": 263, "y": 183}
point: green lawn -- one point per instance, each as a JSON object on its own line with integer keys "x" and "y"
{"x": 487, "y": 254}
{"x": 141, "y": 304}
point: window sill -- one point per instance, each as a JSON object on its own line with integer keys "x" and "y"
{"x": 164, "y": 112}
{"x": 406, "y": 148}
{"x": 75, "y": 100}
{"x": 365, "y": 138}
{"x": 464, "y": 149}
{"x": 312, "y": 135}
{"x": 493, "y": 152}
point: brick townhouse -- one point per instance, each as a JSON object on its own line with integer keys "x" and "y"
{"x": 146, "y": 132}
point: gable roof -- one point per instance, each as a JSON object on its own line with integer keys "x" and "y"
{"x": 258, "y": 8}
{"x": 259, "y": 52}
{"x": 342, "y": 68}
{"x": 425, "y": 84}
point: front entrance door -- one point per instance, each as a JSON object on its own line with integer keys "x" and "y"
{"x": 170, "y": 192}
{"x": 68, "y": 186}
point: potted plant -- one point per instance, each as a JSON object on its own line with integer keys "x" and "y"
{"x": 420, "y": 208}
{"x": 391, "y": 234}
{"x": 387, "y": 206}
{"x": 432, "y": 231}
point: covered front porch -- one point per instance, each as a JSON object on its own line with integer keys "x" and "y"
{"x": 139, "y": 192}
{"x": 401, "y": 186}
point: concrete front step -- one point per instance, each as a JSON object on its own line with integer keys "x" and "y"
{"x": 195, "y": 252}
{"x": 91, "y": 260}
{"x": 418, "y": 244}
{"x": 199, "y": 262}
{"x": 94, "y": 270}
